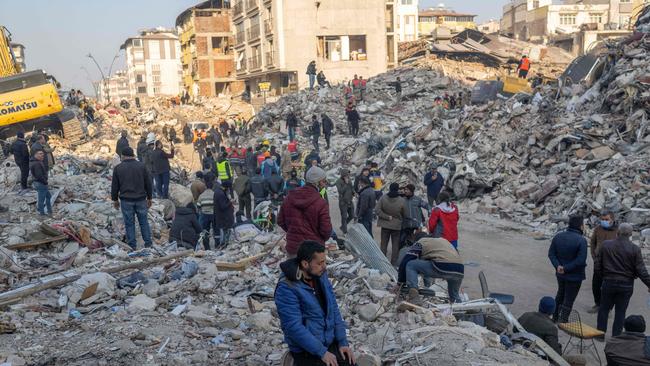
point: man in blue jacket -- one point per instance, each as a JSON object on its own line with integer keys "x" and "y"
{"x": 434, "y": 182}
{"x": 568, "y": 254}
{"x": 311, "y": 321}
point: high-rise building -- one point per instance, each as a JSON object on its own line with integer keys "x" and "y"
{"x": 153, "y": 63}
{"x": 407, "y": 20}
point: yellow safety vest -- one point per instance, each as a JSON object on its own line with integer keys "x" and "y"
{"x": 222, "y": 170}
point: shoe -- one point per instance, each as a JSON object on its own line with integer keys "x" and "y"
{"x": 413, "y": 296}
{"x": 594, "y": 309}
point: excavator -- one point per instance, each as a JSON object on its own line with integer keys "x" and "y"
{"x": 29, "y": 100}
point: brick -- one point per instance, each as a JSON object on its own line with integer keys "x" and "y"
{"x": 204, "y": 69}
{"x": 223, "y": 68}
{"x": 215, "y": 23}
{"x": 201, "y": 45}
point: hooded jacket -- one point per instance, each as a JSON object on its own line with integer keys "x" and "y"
{"x": 224, "y": 211}
{"x": 628, "y": 349}
{"x": 328, "y": 125}
{"x": 304, "y": 215}
{"x": 20, "y": 151}
{"x": 38, "y": 169}
{"x": 346, "y": 192}
{"x": 390, "y": 212}
{"x": 275, "y": 184}
{"x": 307, "y": 327}
{"x": 121, "y": 144}
{"x": 414, "y": 217}
{"x": 268, "y": 167}
{"x": 259, "y": 187}
{"x": 569, "y": 249}
{"x": 434, "y": 186}
{"x": 185, "y": 227}
{"x": 443, "y": 222}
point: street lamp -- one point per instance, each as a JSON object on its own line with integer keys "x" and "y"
{"x": 104, "y": 80}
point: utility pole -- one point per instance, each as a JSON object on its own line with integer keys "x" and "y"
{"x": 104, "y": 80}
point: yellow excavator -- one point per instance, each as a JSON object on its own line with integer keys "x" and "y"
{"x": 29, "y": 100}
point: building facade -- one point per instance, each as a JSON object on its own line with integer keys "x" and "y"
{"x": 114, "y": 88}
{"x": 515, "y": 14}
{"x": 276, "y": 39}
{"x": 153, "y": 63}
{"x": 430, "y": 20}
{"x": 489, "y": 27}
{"x": 207, "y": 52}
{"x": 407, "y": 20}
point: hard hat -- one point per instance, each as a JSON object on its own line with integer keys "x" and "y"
{"x": 267, "y": 154}
{"x": 266, "y": 142}
{"x": 151, "y": 138}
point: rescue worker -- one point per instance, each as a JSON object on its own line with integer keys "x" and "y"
{"x": 524, "y": 67}
{"x": 224, "y": 174}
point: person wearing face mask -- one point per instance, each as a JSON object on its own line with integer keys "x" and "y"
{"x": 607, "y": 229}
{"x": 304, "y": 214}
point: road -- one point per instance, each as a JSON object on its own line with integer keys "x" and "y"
{"x": 517, "y": 264}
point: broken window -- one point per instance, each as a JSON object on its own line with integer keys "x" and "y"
{"x": 567, "y": 19}
{"x": 137, "y": 43}
{"x": 220, "y": 45}
{"x": 138, "y": 78}
{"x": 342, "y": 48}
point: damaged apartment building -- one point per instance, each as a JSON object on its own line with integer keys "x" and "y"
{"x": 207, "y": 56}
{"x": 276, "y": 39}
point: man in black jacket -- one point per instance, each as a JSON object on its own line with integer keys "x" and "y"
{"x": 21, "y": 157}
{"x": 629, "y": 348}
{"x": 131, "y": 190}
{"x": 353, "y": 120}
{"x": 242, "y": 186}
{"x": 224, "y": 216}
{"x": 259, "y": 187}
{"x": 142, "y": 148}
{"x": 620, "y": 262}
{"x": 122, "y": 143}
{"x": 292, "y": 124}
{"x": 315, "y": 131}
{"x": 346, "y": 194}
{"x": 540, "y": 324}
{"x": 39, "y": 145}
{"x": 328, "y": 128}
{"x": 366, "y": 204}
{"x": 39, "y": 172}
{"x": 185, "y": 226}
{"x": 160, "y": 161}
{"x": 276, "y": 186}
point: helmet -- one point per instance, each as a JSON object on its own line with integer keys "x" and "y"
{"x": 266, "y": 142}
{"x": 151, "y": 138}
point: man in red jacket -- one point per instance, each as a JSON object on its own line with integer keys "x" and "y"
{"x": 304, "y": 215}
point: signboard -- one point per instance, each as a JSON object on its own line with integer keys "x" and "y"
{"x": 264, "y": 86}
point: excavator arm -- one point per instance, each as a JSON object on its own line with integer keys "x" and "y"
{"x": 8, "y": 65}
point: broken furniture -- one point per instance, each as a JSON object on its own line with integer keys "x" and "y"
{"x": 575, "y": 328}
{"x": 505, "y": 299}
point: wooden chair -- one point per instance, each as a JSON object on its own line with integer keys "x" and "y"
{"x": 505, "y": 299}
{"x": 571, "y": 324}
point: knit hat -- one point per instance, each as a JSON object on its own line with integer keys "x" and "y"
{"x": 315, "y": 175}
{"x": 20, "y": 134}
{"x": 547, "y": 305}
{"x": 393, "y": 190}
{"x": 128, "y": 151}
{"x": 634, "y": 323}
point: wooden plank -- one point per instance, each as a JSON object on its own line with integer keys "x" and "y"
{"x": 240, "y": 265}
{"x": 35, "y": 243}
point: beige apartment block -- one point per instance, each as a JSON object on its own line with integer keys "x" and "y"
{"x": 276, "y": 39}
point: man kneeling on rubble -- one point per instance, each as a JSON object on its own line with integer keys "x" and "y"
{"x": 311, "y": 321}
{"x": 431, "y": 258}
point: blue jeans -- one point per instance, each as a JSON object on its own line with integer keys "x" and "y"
{"x": 207, "y": 221}
{"x": 43, "y": 198}
{"x": 131, "y": 209}
{"x": 428, "y": 270}
{"x": 162, "y": 184}
{"x": 312, "y": 79}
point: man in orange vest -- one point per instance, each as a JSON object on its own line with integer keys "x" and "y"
{"x": 524, "y": 66}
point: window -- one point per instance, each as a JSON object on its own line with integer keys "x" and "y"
{"x": 155, "y": 67}
{"x": 567, "y": 19}
{"x": 142, "y": 90}
{"x": 595, "y": 18}
{"x": 535, "y": 4}
{"x": 426, "y": 19}
{"x": 407, "y": 2}
{"x": 407, "y": 20}
{"x": 220, "y": 45}
{"x": 624, "y": 21}
{"x": 156, "y": 90}
{"x": 156, "y": 78}
{"x": 342, "y": 48}
{"x": 138, "y": 78}
{"x": 137, "y": 43}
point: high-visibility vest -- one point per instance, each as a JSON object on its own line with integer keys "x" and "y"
{"x": 196, "y": 136}
{"x": 222, "y": 170}
{"x": 525, "y": 64}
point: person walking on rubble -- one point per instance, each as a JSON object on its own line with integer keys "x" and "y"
{"x": 443, "y": 221}
{"x": 311, "y": 73}
{"x": 21, "y": 157}
{"x": 224, "y": 215}
{"x": 621, "y": 262}
{"x": 242, "y": 186}
{"x": 391, "y": 210}
{"x": 434, "y": 183}
{"x": 142, "y": 147}
{"x": 568, "y": 255}
{"x": 523, "y": 67}
{"x": 346, "y": 195}
{"x": 414, "y": 218}
{"x": 225, "y": 174}
{"x": 607, "y": 229}
{"x": 161, "y": 168}
{"x": 291, "y": 124}
{"x": 366, "y": 204}
{"x": 309, "y": 315}
{"x": 353, "y": 119}
{"x": 39, "y": 172}
{"x": 397, "y": 84}
{"x": 122, "y": 142}
{"x": 131, "y": 191}
{"x": 148, "y": 158}
{"x": 328, "y": 128}
{"x": 205, "y": 205}
{"x": 304, "y": 214}
{"x": 315, "y": 131}
{"x": 187, "y": 134}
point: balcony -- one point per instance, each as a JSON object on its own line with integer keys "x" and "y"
{"x": 243, "y": 67}
{"x": 268, "y": 27}
{"x": 238, "y": 9}
{"x": 253, "y": 32}
{"x": 270, "y": 60}
{"x": 240, "y": 38}
{"x": 255, "y": 62}
{"x": 251, "y": 5}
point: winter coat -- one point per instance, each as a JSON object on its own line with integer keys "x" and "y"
{"x": 38, "y": 147}
{"x": 353, "y": 116}
{"x": 160, "y": 161}
{"x": 148, "y": 159}
{"x": 208, "y": 163}
{"x": 599, "y": 236}
{"x": 259, "y": 187}
{"x": 197, "y": 187}
{"x": 569, "y": 250}
{"x": 224, "y": 211}
{"x": 414, "y": 217}
{"x": 346, "y": 192}
{"x": 443, "y": 222}
{"x": 185, "y": 226}
{"x": 304, "y": 215}
{"x": 311, "y": 69}
{"x": 628, "y": 349}
{"x": 242, "y": 186}
{"x": 275, "y": 184}
{"x": 20, "y": 151}
{"x": 141, "y": 149}
{"x": 293, "y": 183}
{"x": 315, "y": 128}
{"x": 390, "y": 212}
{"x": 285, "y": 164}
{"x": 434, "y": 186}
{"x": 38, "y": 171}
{"x": 292, "y": 120}
{"x": 366, "y": 203}
{"x": 131, "y": 181}
{"x": 306, "y": 326}
{"x": 622, "y": 260}
{"x": 311, "y": 157}
{"x": 205, "y": 203}
{"x": 328, "y": 125}
{"x": 268, "y": 167}
{"x": 542, "y": 326}
{"x": 121, "y": 144}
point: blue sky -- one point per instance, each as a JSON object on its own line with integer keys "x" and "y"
{"x": 58, "y": 34}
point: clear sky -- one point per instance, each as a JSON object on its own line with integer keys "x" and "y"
{"x": 58, "y": 34}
